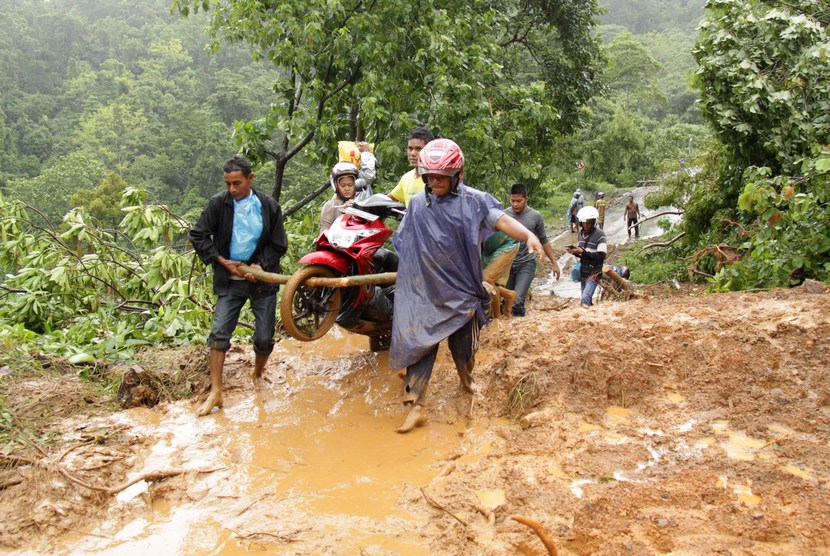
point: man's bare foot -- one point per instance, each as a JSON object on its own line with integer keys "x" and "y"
{"x": 417, "y": 418}
{"x": 213, "y": 400}
{"x": 256, "y": 373}
{"x": 256, "y": 380}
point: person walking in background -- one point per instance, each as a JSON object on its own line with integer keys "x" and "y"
{"x": 599, "y": 203}
{"x": 523, "y": 268}
{"x": 239, "y": 226}
{"x": 576, "y": 204}
{"x": 439, "y": 291}
{"x": 411, "y": 183}
{"x": 631, "y": 215}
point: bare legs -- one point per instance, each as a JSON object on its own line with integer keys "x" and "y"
{"x": 214, "y": 399}
{"x": 416, "y": 417}
{"x": 259, "y": 366}
{"x": 463, "y": 344}
{"x": 216, "y": 364}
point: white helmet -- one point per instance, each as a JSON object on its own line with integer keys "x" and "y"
{"x": 342, "y": 169}
{"x": 587, "y": 213}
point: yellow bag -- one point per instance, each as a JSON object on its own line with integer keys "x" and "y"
{"x": 349, "y": 152}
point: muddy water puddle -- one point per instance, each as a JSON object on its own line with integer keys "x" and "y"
{"x": 309, "y": 465}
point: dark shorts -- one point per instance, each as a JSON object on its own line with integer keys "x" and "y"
{"x": 226, "y": 315}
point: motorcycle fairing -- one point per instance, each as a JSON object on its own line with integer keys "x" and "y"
{"x": 331, "y": 259}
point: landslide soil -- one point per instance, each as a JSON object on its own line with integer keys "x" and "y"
{"x": 682, "y": 424}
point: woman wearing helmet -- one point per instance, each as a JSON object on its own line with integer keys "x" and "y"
{"x": 343, "y": 176}
{"x": 591, "y": 252}
{"x": 439, "y": 292}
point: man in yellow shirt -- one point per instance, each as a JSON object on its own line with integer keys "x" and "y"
{"x": 411, "y": 182}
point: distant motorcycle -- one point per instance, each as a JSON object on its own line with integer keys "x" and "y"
{"x": 351, "y": 247}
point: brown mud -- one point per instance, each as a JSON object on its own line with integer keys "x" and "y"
{"x": 677, "y": 424}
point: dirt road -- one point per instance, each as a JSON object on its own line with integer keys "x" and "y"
{"x": 693, "y": 424}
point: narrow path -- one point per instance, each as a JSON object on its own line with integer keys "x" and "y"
{"x": 616, "y": 233}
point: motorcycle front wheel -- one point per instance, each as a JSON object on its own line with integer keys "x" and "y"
{"x": 309, "y": 312}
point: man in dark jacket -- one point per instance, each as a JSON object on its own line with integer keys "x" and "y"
{"x": 239, "y": 226}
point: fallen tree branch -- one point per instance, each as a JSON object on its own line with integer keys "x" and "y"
{"x": 10, "y": 482}
{"x": 17, "y": 460}
{"x": 153, "y": 476}
{"x": 149, "y": 476}
{"x": 72, "y": 449}
{"x": 315, "y": 282}
{"x": 559, "y": 307}
{"x": 653, "y": 216}
{"x": 662, "y": 243}
{"x": 286, "y": 538}
{"x": 724, "y": 255}
{"x": 776, "y": 441}
{"x": 438, "y": 506}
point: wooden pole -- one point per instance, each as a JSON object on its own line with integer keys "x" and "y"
{"x": 263, "y": 276}
{"x": 343, "y": 282}
{"x": 620, "y": 281}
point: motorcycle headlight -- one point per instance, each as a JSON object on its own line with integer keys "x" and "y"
{"x": 343, "y": 239}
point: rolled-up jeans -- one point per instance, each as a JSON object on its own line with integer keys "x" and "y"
{"x": 226, "y": 316}
{"x": 521, "y": 275}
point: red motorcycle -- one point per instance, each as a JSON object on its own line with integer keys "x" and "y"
{"x": 351, "y": 247}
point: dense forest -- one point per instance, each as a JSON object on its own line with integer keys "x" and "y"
{"x": 96, "y": 88}
{"x": 115, "y": 118}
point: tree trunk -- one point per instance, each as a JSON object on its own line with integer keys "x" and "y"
{"x": 279, "y": 173}
{"x": 306, "y": 200}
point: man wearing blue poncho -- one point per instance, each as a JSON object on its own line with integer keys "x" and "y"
{"x": 439, "y": 292}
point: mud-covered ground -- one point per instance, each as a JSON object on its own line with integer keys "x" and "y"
{"x": 682, "y": 424}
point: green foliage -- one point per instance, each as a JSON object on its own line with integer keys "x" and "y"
{"x": 51, "y": 190}
{"x": 376, "y": 70}
{"x": 763, "y": 79}
{"x": 791, "y": 239}
{"x": 707, "y": 189}
{"x": 642, "y": 16}
{"x": 766, "y": 91}
{"x": 102, "y": 203}
{"x": 631, "y": 73}
{"x": 656, "y": 266}
{"x": 88, "y": 293}
{"x": 615, "y": 152}
{"x": 95, "y": 87}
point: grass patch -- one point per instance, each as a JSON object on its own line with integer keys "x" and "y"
{"x": 523, "y": 395}
{"x": 649, "y": 267}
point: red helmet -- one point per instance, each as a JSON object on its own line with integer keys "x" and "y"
{"x": 442, "y": 157}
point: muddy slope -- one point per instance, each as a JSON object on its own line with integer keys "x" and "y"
{"x": 687, "y": 425}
